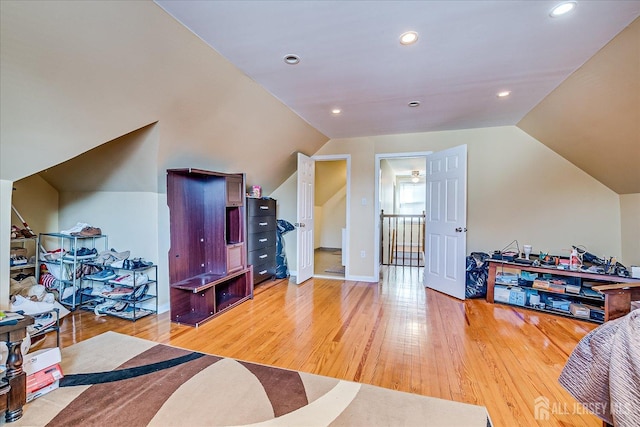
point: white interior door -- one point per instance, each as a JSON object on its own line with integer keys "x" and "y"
{"x": 304, "y": 226}
{"x": 447, "y": 221}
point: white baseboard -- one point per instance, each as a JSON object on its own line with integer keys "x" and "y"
{"x": 370, "y": 279}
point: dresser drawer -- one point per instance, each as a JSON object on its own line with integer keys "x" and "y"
{"x": 261, "y": 207}
{"x": 258, "y": 224}
{"x": 262, "y": 256}
{"x": 261, "y": 240}
{"x": 263, "y": 272}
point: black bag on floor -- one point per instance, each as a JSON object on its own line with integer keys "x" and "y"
{"x": 477, "y": 273}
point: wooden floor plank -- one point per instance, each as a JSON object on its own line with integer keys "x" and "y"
{"x": 393, "y": 334}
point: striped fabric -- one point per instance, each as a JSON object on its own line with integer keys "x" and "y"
{"x": 603, "y": 372}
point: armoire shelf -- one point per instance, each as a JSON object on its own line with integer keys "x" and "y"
{"x": 208, "y": 270}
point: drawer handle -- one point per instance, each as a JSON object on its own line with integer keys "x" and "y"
{"x": 264, "y": 208}
{"x": 262, "y": 240}
{"x": 262, "y": 272}
{"x": 263, "y": 223}
{"x": 263, "y": 256}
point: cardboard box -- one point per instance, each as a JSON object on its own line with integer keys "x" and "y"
{"x": 43, "y": 378}
{"x": 501, "y": 293}
{"x": 41, "y": 359}
{"x": 43, "y": 391}
{"x": 558, "y": 303}
{"x": 517, "y": 296}
{"x": 579, "y": 310}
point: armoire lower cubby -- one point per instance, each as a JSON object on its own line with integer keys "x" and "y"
{"x": 208, "y": 272}
{"x": 198, "y": 299}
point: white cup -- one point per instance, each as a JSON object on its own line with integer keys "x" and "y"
{"x": 527, "y": 250}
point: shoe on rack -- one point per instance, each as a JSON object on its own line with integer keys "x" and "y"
{"x": 139, "y": 292}
{"x": 76, "y": 228}
{"x": 103, "y": 276}
{"x": 119, "y": 306}
{"x": 87, "y": 232}
{"x": 100, "y": 309}
{"x": 18, "y": 260}
{"x": 120, "y": 255}
{"x": 54, "y": 255}
{"x": 117, "y": 264}
{"x": 134, "y": 279}
{"x": 117, "y": 292}
{"x": 82, "y": 253}
{"x": 140, "y": 263}
{"x": 104, "y": 258}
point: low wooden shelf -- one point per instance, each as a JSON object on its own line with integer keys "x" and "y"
{"x": 200, "y": 298}
{"x": 618, "y": 291}
{"x": 618, "y": 297}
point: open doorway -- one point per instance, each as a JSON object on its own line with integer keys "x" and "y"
{"x": 330, "y": 218}
{"x": 401, "y": 207}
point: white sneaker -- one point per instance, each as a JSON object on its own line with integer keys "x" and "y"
{"x": 76, "y": 228}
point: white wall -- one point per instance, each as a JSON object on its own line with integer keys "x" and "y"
{"x": 134, "y": 65}
{"x": 128, "y": 219}
{"x": 5, "y": 224}
{"x": 517, "y": 189}
{"x": 334, "y": 213}
{"x": 630, "y": 219}
{"x": 37, "y": 202}
{"x": 318, "y": 224}
{"x": 387, "y": 187}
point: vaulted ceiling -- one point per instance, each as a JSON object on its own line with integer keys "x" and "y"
{"x": 573, "y": 79}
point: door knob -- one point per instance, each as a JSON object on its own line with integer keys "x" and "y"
{"x": 460, "y": 229}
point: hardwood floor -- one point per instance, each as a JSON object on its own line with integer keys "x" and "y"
{"x": 394, "y": 334}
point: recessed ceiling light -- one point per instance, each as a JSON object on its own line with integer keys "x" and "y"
{"x": 414, "y": 104}
{"x": 504, "y": 94}
{"x": 291, "y": 59}
{"x": 562, "y": 8}
{"x": 410, "y": 37}
{"x": 336, "y": 111}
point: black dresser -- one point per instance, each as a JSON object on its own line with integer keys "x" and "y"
{"x": 261, "y": 238}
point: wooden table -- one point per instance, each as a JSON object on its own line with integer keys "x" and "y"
{"x": 12, "y": 335}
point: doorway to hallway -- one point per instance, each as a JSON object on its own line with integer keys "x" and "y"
{"x": 400, "y": 206}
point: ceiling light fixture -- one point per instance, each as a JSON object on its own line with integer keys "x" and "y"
{"x": 336, "y": 111}
{"x": 410, "y": 37}
{"x": 504, "y": 94}
{"x": 414, "y": 104}
{"x": 415, "y": 176}
{"x": 562, "y": 9}
{"x": 291, "y": 59}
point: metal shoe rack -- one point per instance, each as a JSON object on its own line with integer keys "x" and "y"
{"x": 67, "y": 270}
{"x": 128, "y": 307}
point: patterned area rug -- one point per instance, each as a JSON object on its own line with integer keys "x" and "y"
{"x": 118, "y": 380}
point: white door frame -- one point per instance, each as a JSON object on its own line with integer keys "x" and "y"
{"x": 376, "y": 228}
{"x": 345, "y": 250}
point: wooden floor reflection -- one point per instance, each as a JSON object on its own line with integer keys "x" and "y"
{"x": 394, "y": 334}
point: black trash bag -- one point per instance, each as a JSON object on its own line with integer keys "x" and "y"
{"x": 477, "y": 273}
{"x": 282, "y": 269}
